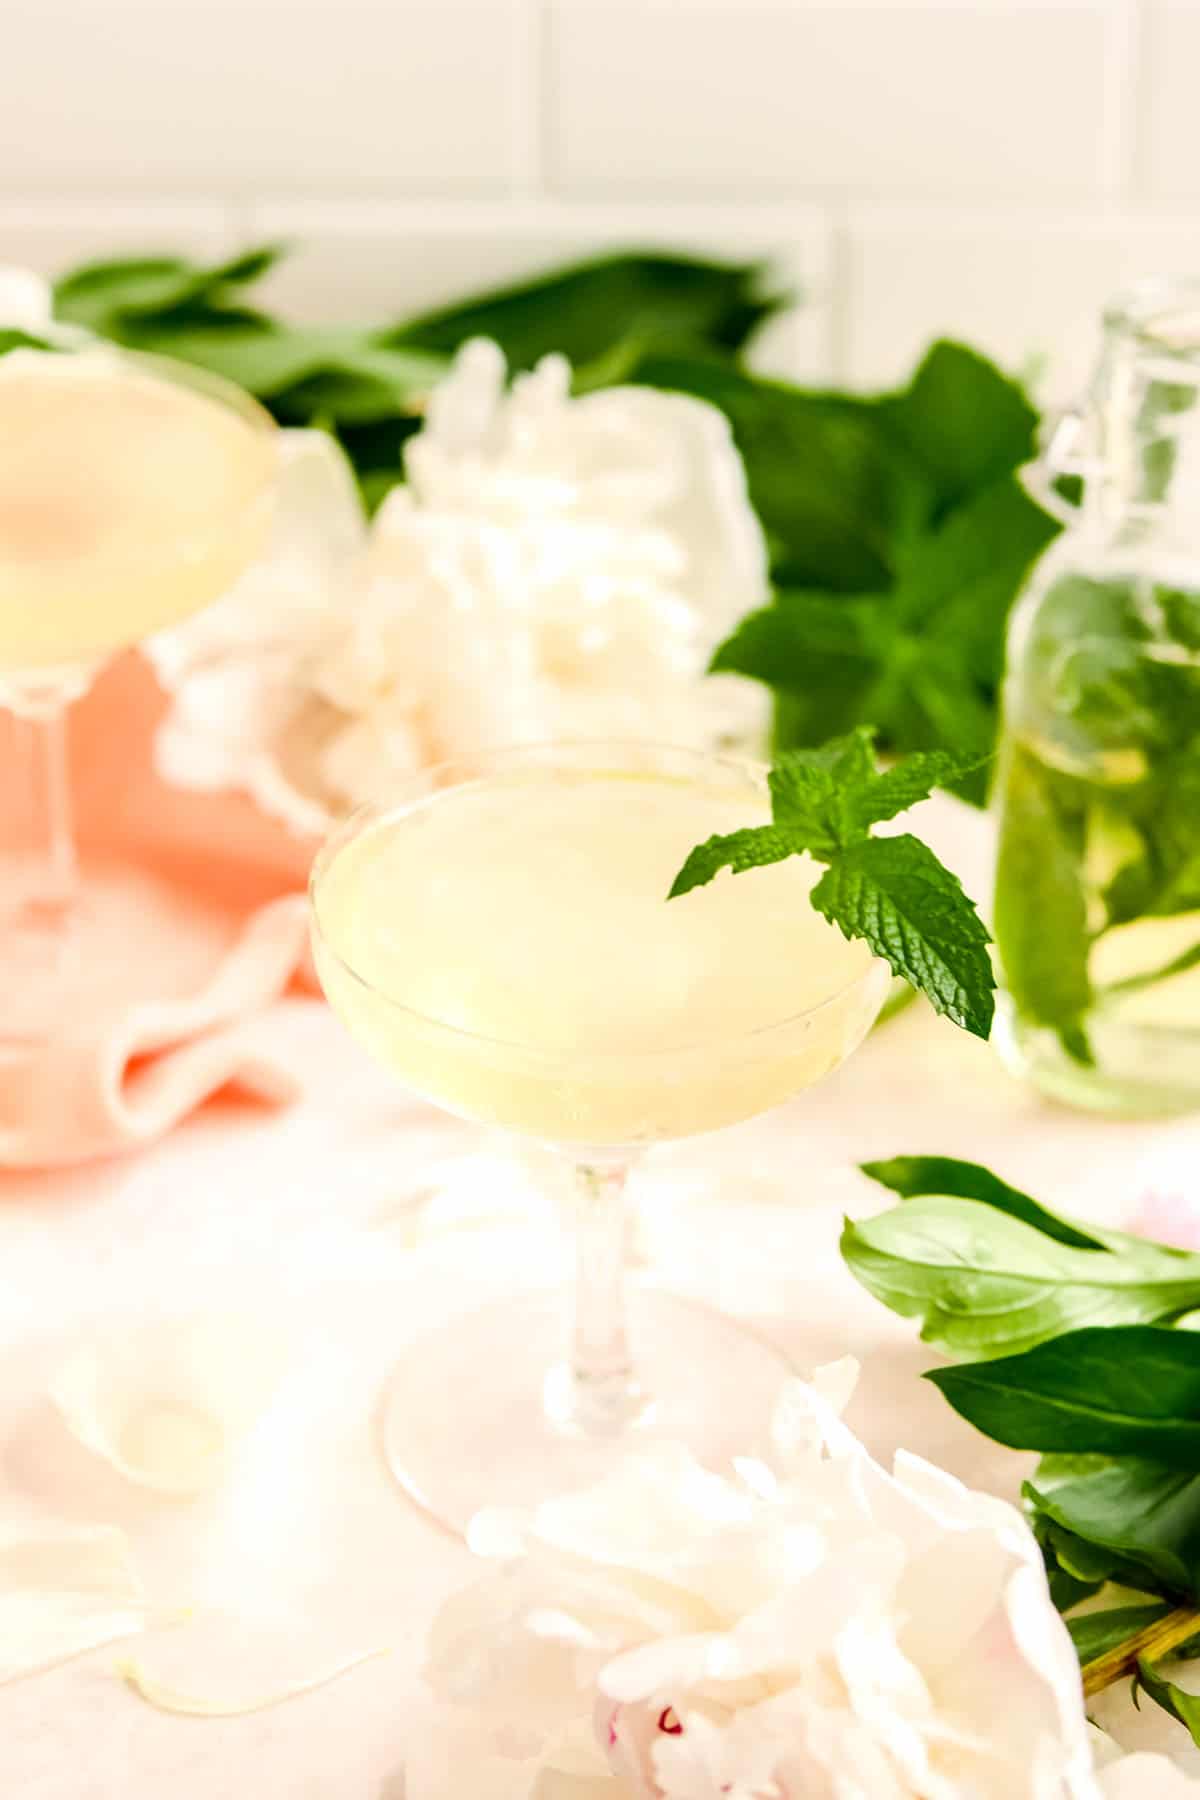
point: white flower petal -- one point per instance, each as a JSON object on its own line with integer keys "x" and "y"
{"x": 164, "y": 1402}
{"x": 827, "y": 1629}
{"x": 63, "y": 1590}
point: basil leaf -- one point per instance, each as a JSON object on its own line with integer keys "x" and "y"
{"x": 1096, "y": 1633}
{"x": 1119, "y": 1391}
{"x": 985, "y": 1283}
{"x": 1144, "y": 1515}
{"x": 1173, "y": 1699}
{"x": 909, "y": 1176}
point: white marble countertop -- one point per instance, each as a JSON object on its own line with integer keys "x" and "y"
{"x": 306, "y": 1551}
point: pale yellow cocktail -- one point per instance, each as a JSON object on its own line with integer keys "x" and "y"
{"x": 501, "y": 938}
{"x": 127, "y": 500}
{"x": 133, "y": 490}
{"x": 507, "y": 948}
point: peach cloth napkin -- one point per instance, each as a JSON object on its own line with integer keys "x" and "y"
{"x": 196, "y": 925}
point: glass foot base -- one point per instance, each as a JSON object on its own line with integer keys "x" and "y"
{"x": 1138, "y": 1072}
{"x": 475, "y": 1415}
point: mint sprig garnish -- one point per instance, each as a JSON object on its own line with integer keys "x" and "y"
{"x": 890, "y": 891}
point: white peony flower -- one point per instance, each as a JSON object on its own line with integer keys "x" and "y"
{"x": 27, "y": 304}
{"x": 820, "y": 1630}
{"x": 556, "y": 567}
{"x": 26, "y": 301}
{"x": 239, "y": 672}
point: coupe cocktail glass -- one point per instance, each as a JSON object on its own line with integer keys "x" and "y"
{"x": 502, "y": 940}
{"x": 133, "y": 490}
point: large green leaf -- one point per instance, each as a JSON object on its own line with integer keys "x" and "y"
{"x": 963, "y": 421}
{"x": 819, "y": 652}
{"x": 777, "y": 643}
{"x": 958, "y": 583}
{"x": 1094, "y": 1634}
{"x": 985, "y": 1283}
{"x": 1171, "y": 1697}
{"x": 304, "y": 374}
{"x": 924, "y": 483}
{"x": 835, "y": 499}
{"x": 642, "y": 299}
{"x": 1145, "y": 1515}
{"x": 910, "y": 1176}
{"x": 893, "y": 892}
{"x": 107, "y": 297}
{"x": 1119, "y": 1391}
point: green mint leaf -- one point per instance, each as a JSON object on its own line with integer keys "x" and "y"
{"x": 964, "y": 421}
{"x": 1040, "y": 909}
{"x": 777, "y": 643}
{"x": 1094, "y": 1634}
{"x": 586, "y": 310}
{"x": 911, "y": 1176}
{"x": 1119, "y": 1391}
{"x": 736, "y": 850}
{"x": 1137, "y": 1519}
{"x": 957, "y": 584}
{"x": 894, "y": 893}
{"x": 835, "y": 496}
{"x": 849, "y": 758}
{"x": 1173, "y": 1699}
{"x": 921, "y": 651}
{"x": 914, "y": 779}
{"x": 821, "y": 655}
{"x": 986, "y": 1283}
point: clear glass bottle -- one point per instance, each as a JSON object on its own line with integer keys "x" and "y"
{"x": 1097, "y": 792}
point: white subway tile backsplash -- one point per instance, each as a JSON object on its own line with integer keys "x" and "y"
{"x": 1169, "y": 146}
{"x": 1028, "y": 291}
{"x": 704, "y": 97}
{"x": 984, "y": 159}
{"x": 372, "y": 262}
{"x": 227, "y": 97}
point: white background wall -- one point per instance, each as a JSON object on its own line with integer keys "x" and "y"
{"x": 991, "y": 168}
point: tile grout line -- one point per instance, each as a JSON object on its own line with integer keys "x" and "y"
{"x": 530, "y": 100}
{"x": 1124, "y": 96}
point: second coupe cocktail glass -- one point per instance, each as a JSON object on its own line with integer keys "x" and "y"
{"x": 502, "y": 940}
{"x": 132, "y": 491}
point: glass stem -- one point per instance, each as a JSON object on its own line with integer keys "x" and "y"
{"x": 52, "y": 834}
{"x": 605, "y": 1396}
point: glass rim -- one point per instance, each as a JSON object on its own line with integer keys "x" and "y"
{"x": 176, "y": 373}
{"x": 1160, "y": 314}
{"x": 427, "y": 782}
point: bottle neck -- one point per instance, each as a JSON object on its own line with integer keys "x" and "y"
{"x": 1144, "y": 421}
